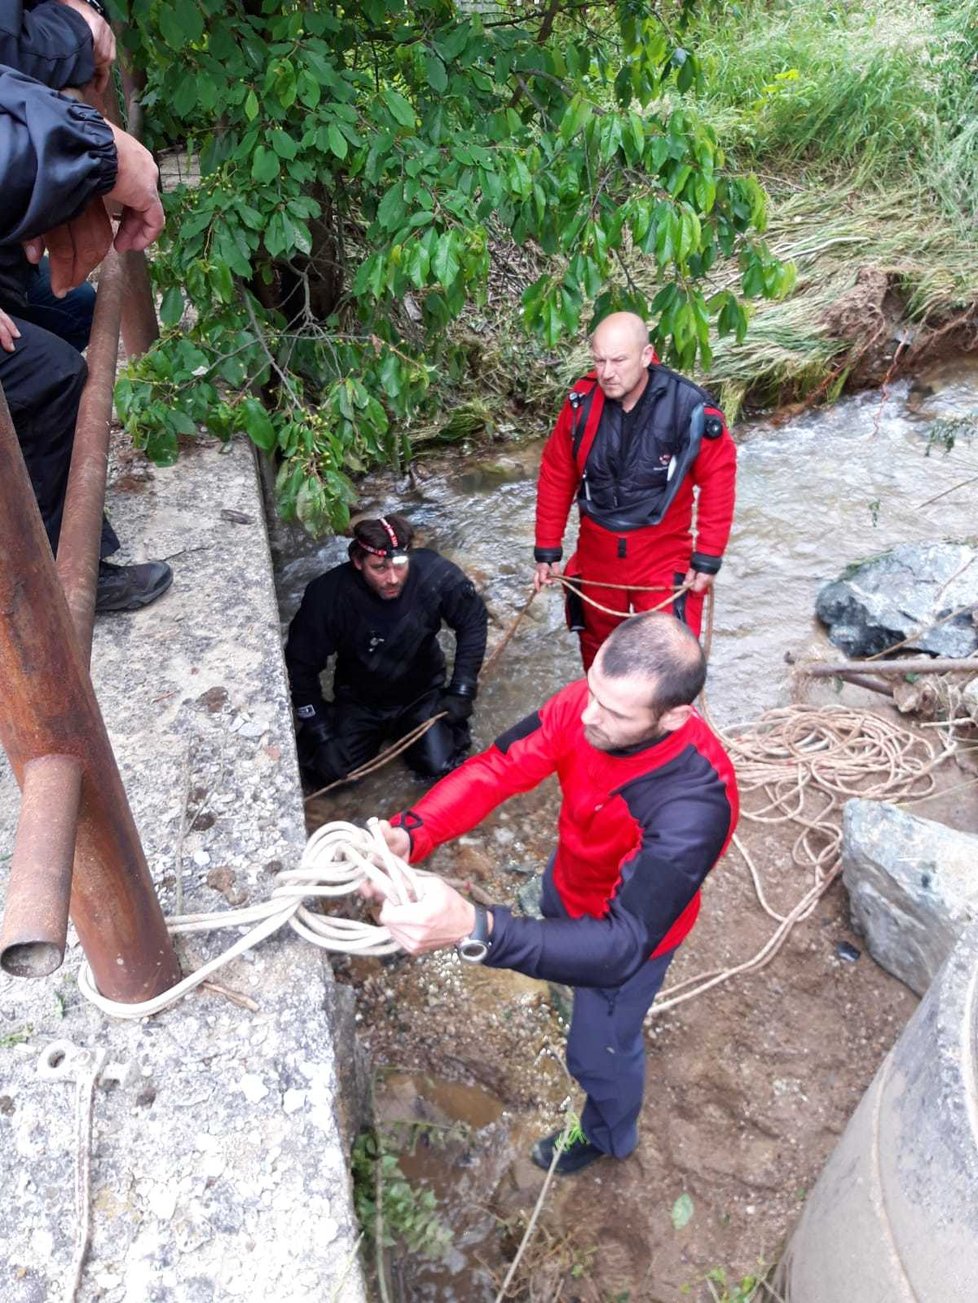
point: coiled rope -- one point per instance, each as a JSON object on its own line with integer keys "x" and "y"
{"x": 797, "y": 765}
{"x": 338, "y": 857}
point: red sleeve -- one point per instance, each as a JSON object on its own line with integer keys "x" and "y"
{"x": 557, "y": 485}
{"x": 517, "y": 761}
{"x": 715, "y": 472}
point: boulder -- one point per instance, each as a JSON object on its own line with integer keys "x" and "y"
{"x": 902, "y": 594}
{"x": 913, "y": 887}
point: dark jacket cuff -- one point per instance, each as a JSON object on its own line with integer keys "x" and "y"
{"x": 462, "y": 689}
{"x": 550, "y": 554}
{"x": 704, "y": 564}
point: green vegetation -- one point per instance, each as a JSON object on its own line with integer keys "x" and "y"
{"x": 862, "y": 122}
{"x": 407, "y": 210}
{"x": 19, "y": 1037}
{"x": 365, "y": 172}
{"x": 390, "y": 1210}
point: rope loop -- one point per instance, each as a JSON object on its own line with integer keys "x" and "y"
{"x": 337, "y": 858}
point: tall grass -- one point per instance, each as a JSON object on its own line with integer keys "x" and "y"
{"x": 818, "y": 83}
{"x": 862, "y": 122}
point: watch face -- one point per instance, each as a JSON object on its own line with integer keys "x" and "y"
{"x": 472, "y": 950}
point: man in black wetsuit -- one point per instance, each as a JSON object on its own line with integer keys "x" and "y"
{"x": 380, "y": 614}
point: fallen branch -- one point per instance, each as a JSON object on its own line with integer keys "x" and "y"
{"x": 911, "y": 665}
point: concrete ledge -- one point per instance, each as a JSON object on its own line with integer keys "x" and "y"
{"x": 219, "y": 1167}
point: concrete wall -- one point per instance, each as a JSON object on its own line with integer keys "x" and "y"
{"x": 219, "y": 1168}
{"x": 893, "y": 1218}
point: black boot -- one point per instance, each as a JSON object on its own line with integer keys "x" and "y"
{"x": 576, "y": 1152}
{"x": 127, "y": 588}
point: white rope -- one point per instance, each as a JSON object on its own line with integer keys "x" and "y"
{"x": 338, "y": 857}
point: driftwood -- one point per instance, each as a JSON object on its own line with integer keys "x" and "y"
{"x": 909, "y": 665}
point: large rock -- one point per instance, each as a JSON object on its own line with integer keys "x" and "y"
{"x": 902, "y": 594}
{"x": 913, "y": 887}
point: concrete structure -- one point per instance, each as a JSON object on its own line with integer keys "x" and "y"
{"x": 893, "y": 1218}
{"x": 219, "y": 1166}
{"x": 913, "y": 887}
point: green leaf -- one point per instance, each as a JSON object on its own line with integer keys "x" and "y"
{"x": 251, "y": 106}
{"x": 181, "y": 422}
{"x": 390, "y": 212}
{"x": 682, "y": 1211}
{"x": 257, "y": 424}
{"x": 435, "y": 72}
{"x": 171, "y": 309}
{"x": 445, "y": 264}
{"x": 337, "y": 141}
{"x": 401, "y": 110}
{"x": 265, "y": 165}
{"x": 284, "y": 145}
{"x": 181, "y": 23}
{"x": 577, "y": 113}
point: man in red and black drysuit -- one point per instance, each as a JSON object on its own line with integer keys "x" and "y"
{"x": 649, "y": 805}
{"x": 632, "y": 443}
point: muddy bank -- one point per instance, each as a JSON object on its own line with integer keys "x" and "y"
{"x": 749, "y": 1085}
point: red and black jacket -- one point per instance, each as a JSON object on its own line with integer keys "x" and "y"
{"x": 638, "y": 470}
{"x": 638, "y": 832}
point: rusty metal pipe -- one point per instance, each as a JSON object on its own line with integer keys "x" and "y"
{"x": 35, "y": 920}
{"x": 48, "y": 707}
{"x": 140, "y": 329}
{"x": 78, "y": 546}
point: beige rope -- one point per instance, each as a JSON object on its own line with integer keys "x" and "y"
{"x": 338, "y": 857}
{"x": 797, "y": 765}
{"x": 574, "y": 584}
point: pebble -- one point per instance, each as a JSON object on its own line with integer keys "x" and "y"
{"x": 294, "y": 1100}
{"x": 162, "y": 1202}
{"x": 252, "y": 1087}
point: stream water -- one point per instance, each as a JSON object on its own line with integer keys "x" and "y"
{"x": 815, "y": 494}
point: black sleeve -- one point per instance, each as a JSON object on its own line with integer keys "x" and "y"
{"x": 310, "y": 644}
{"x": 55, "y": 157}
{"x": 48, "y": 42}
{"x": 464, "y": 611}
{"x": 657, "y": 883}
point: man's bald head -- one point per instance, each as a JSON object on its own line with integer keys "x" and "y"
{"x": 622, "y": 355}
{"x": 659, "y": 648}
{"x": 625, "y": 327}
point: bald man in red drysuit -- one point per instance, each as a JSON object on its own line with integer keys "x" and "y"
{"x": 636, "y": 444}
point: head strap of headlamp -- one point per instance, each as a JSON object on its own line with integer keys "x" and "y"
{"x": 393, "y": 549}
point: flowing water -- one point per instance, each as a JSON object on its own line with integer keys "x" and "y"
{"x": 815, "y": 494}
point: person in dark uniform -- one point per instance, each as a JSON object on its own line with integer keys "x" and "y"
{"x": 380, "y": 614}
{"x": 57, "y": 158}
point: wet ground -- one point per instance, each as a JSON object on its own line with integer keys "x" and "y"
{"x": 748, "y": 1086}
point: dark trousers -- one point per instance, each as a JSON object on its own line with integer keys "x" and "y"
{"x": 358, "y": 731}
{"x": 606, "y": 1055}
{"x": 70, "y": 317}
{"x": 606, "y": 1047}
{"x": 43, "y": 379}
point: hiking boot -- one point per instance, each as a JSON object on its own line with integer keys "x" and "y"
{"x": 576, "y": 1152}
{"x": 127, "y": 588}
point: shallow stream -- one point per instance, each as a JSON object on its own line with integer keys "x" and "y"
{"x": 815, "y": 494}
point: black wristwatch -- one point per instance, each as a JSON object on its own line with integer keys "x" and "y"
{"x": 99, "y": 8}
{"x": 474, "y": 948}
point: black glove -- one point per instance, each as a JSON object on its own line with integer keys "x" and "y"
{"x": 457, "y": 703}
{"x": 312, "y": 740}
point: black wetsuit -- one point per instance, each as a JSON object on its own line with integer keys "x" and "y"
{"x": 390, "y": 672}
